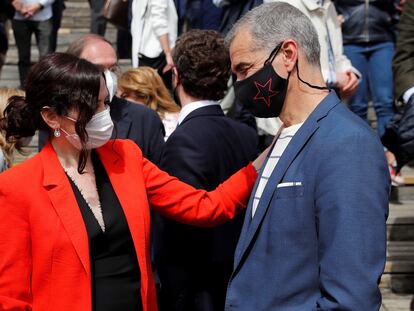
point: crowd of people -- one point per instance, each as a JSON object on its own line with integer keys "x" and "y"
{"x": 232, "y": 167}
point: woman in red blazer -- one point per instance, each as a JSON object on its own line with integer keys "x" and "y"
{"x": 55, "y": 254}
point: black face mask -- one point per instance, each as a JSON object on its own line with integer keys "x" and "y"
{"x": 264, "y": 92}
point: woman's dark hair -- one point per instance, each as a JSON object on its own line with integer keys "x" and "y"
{"x": 203, "y": 64}
{"x": 62, "y": 82}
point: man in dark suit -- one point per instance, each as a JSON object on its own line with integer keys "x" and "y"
{"x": 314, "y": 234}
{"x": 207, "y": 147}
{"x": 133, "y": 121}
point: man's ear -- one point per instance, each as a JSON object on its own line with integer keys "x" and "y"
{"x": 290, "y": 54}
{"x": 50, "y": 117}
{"x": 176, "y": 76}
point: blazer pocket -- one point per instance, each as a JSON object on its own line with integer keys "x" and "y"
{"x": 289, "y": 192}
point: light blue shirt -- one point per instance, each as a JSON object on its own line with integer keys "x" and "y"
{"x": 42, "y": 15}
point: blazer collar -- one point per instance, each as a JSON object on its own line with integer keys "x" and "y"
{"x": 214, "y": 110}
{"x": 120, "y": 116}
{"x": 196, "y": 106}
{"x": 63, "y": 199}
{"x": 64, "y": 202}
{"x": 297, "y": 143}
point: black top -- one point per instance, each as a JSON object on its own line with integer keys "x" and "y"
{"x": 114, "y": 265}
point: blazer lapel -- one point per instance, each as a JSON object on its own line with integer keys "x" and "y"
{"x": 64, "y": 202}
{"x": 132, "y": 198}
{"x": 293, "y": 149}
{"x": 248, "y": 215}
{"x": 123, "y": 127}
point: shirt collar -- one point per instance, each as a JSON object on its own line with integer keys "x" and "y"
{"x": 189, "y": 108}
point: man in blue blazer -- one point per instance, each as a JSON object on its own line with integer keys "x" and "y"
{"x": 195, "y": 264}
{"x": 314, "y": 234}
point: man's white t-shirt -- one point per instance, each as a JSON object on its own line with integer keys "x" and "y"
{"x": 285, "y": 136}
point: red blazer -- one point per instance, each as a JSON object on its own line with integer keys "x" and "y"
{"x": 44, "y": 252}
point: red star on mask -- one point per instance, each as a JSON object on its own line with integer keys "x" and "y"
{"x": 265, "y": 91}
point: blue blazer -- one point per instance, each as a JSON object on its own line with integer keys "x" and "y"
{"x": 320, "y": 244}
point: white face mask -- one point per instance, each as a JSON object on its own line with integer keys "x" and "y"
{"x": 111, "y": 81}
{"x": 99, "y": 130}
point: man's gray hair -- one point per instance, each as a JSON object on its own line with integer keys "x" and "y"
{"x": 272, "y": 23}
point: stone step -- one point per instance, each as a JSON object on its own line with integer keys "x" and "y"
{"x": 399, "y": 283}
{"x": 401, "y": 213}
{"x": 395, "y": 302}
{"x": 399, "y": 269}
{"x": 400, "y": 251}
{"x": 400, "y": 223}
{"x": 82, "y": 6}
{"x": 402, "y": 193}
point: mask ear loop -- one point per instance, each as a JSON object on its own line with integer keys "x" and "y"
{"x": 272, "y": 57}
{"x": 307, "y": 83}
{"x": 273, "y": 54}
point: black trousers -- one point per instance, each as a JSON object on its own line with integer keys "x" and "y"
{"x": 157, "y": 63}
{"x": 98, "y": 22}
{"x": 193, "y": 288}
{"x": 57, "y": 7}
{"x": 4, "y": 45}
{"x": 23, "y": 30}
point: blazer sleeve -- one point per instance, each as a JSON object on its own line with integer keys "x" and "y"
{"x": 15, "y": 254}
{"x": 351, "y": 197}
{"x": 159, "y": 16}
{"x": 341, "y": 61}
{"x": 403, "y": 62}
{"x": 181, "y": 202}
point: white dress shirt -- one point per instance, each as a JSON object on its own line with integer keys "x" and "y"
{"x": 189, "y": 108}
